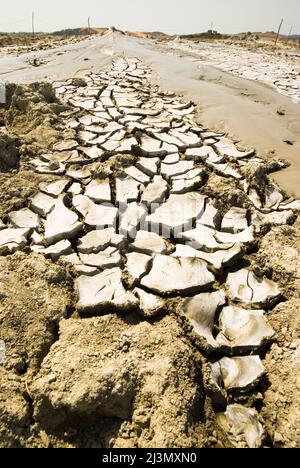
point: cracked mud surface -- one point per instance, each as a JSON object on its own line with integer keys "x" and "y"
{"x": 149, "y": 274}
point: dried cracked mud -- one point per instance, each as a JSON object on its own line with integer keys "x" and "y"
{"x": 149, "y": 289}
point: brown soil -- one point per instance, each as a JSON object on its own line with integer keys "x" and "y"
{"x": 280, "y": 254}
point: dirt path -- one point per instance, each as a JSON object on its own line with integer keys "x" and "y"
{"x": 156, "y": 312}
{"x": 248, "y": 111}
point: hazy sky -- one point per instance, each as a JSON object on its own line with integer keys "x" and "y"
{"x": 171, "y": 16}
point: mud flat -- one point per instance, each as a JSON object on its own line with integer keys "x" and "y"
{"x": 162, "y": 251}
{"x": 249, "y": 111}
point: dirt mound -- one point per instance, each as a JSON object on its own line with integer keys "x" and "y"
{"x": 34, "y": 296}
{"x": 32, "y": 112}
{"x": 9, "y": 152}
{"x": 31, "y": 123}
{"x": 280, "y": 250}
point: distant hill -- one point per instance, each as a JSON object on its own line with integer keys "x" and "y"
{"x": 204, "y": 35}
{"x": 80, "y": 32}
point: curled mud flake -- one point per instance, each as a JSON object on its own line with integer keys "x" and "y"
{"x": 24, "y": 218}
{"x": 66, "y": 145}
{"x": 54, "y": 188}
{"x": 149, "y": 243}
{"x": 149, "y": 166}
{"x": 140, "y": 237}
{"x": 201, "y": 311}
{"x": 12, "y": 240}
{"x": 243, "y": 330}
{"x": 155, "y": 192}
{"x": 99, "y": 216}
{"x": 108, "y": 258}
{"x": 98, "y": 240}
{"x": 171, "y": 170}
{"x": 99, "y": 190}
{"x": 241, "y": 427}
{"x": 227, "y": 148}
{"x": 102, "y": 291}
{"x": 61, "y": 223}
{"x": 235, "y": 220}
{"x": 247, "y": 287}
{"x": 150, "y": 305}
{"x": 54, "y": 251}
{"x": 127, "y": 189}
{"x": 171, "y": 275}
{"x": 238, "y": 374}
{"x": 132, "y": 218}
{"x": 177, "y": 213}
{"x": 137, "y": 266}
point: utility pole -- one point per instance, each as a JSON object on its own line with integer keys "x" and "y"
{"x": 276, "y": 40}
{"x": 32, "y": 23}
{"x": 89, "y": 23}
{"x": 290, "y": 32}
{"x": 211, "y": 26}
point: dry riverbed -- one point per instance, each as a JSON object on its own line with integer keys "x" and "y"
{"x": 150, "y": 268}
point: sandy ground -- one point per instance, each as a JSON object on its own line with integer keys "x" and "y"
{"x": 246, "y": 110}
